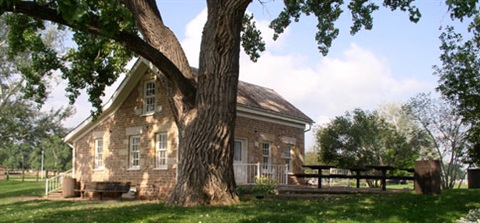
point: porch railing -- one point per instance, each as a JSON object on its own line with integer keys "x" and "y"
{"x": 248, "y": 173}
{"x": 55, "y": 183}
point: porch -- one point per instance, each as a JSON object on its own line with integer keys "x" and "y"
{"x": 248, "y": 173}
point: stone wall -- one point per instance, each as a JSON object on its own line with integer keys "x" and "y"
{"x": 116, "y": 131}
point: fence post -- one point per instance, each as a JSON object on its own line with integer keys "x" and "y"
{"x": 46, "y": 187}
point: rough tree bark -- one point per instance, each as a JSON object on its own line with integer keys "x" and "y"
{"x": 206, "y": 122}
{"x": 206, "y": 156}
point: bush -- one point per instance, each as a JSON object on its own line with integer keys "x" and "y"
{"x": 265, "y": 185}
{"x": 473, "y": 216}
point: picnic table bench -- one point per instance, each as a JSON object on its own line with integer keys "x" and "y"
{"x": 383, "y": 177}
{"x": 105, "y": 187}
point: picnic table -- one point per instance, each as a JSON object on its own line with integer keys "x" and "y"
{"x": 358, "y": 176}
{"x": 319, "y": 168}
{"x": 384, "y": 170}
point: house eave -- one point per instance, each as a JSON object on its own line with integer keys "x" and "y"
{"x": 247, "y": 112}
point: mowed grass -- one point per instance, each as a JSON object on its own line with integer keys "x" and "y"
{"x": 16, "y": 205}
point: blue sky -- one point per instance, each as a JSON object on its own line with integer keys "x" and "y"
{"x": 388, "y": 64}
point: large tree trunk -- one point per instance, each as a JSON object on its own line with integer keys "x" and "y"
{"x": 206, "y": 148}
{"x": 206, "y": 121}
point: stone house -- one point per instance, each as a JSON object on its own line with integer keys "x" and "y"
{"x": 135, "y": 138}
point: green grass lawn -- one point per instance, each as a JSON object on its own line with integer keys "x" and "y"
{"x": 407, "y": 207}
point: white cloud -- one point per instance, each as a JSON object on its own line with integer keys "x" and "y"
{"x": 358, "y": 79}
{"x": 193, "y": 37}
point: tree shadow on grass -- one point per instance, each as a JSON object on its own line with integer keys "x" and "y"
{"x": 18, "y": 188}
{"x": 446, "y": 207}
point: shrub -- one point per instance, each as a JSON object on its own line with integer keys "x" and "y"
{"x": 265, "y": 185}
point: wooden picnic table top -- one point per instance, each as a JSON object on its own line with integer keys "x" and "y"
{"x": 411, "y": 170}
{"x": 319, "y": 166}
{"x": 382, "y": 167}
{"x": 359, "y": 169}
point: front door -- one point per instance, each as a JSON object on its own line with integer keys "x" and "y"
{"x": 240, "y": 165}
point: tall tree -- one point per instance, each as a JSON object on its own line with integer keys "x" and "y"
{"x": 204, "y": 106}
{"x": 460, "y": 79}
{"x": 446, "y": 130}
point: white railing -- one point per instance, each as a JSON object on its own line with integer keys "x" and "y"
{"x": 247, "y": 173}
{"x": 55, "y": 183}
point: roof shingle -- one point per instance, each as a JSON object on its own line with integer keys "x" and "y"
{"x": 267, "y": 100}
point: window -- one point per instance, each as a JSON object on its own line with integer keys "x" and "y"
{"x": 161, "y": 151}
{"x": 149, "y": 99}
{"x": 98, "y": 153}
{"x": 287, "y": 155}
{"x": 237, "y": 152}
{"x": 134, "y": 162}
{"x": 266, "y": 155}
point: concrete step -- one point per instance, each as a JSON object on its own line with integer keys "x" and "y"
{"x": 56, "y": 194}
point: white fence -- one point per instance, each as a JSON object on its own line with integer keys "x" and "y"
{"x": 55, "y": 183}
{"x": 247, "y": 173}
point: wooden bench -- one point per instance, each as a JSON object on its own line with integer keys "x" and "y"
{"x": 105, "y": 187}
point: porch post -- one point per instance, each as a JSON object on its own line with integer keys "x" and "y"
{"x": 258, "y": 170}
{"x": 286, "y": 174}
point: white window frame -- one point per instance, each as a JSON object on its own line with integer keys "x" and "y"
{"x": 134, "y": 152}
{"x": 99, "y": 163}
{"x": 266, "y": 148}
{"x": 149, "y": 103}
{"x": 287, "y": 155}
{"x": 161, "y": 152}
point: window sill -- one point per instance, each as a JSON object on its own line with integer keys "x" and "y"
{"x": 161, "y": 168}
{"x": 99, "y": 169}
{"x": 133, "y": 169}
{"x": 147, "y": 114}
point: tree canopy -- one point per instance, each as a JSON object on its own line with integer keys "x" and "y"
{"x": 108, "y": 33}
{"x": 361, "y": 138}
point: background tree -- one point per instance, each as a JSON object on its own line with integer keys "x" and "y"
{"x": 312, "y": 158}
{"x": 362, "y": 138}
{"x": 23, "y": 127}
{"x": 204, "y": 107}
{"x": 460, "y": 79}
{"x": 446, "y": 130}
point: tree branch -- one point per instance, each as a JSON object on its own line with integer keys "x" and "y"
{"x": 129, "y": 40}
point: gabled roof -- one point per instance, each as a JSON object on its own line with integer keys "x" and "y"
{"x": 251, "y": 99}
{"x": 265, "y": 99}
